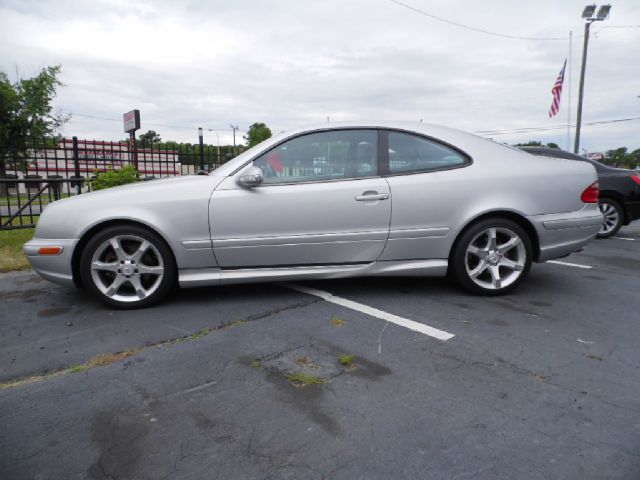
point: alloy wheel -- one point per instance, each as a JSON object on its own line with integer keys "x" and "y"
{"x": 127, "y": 268}
{"x": 495, "y": 258}
{"x": 610, "y": 218}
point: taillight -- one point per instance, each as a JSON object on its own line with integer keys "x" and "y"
{"x": 636, "y": 178}
{"x": 591, "y": 193}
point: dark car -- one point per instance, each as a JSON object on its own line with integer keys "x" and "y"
{"x": 619, "y": 190}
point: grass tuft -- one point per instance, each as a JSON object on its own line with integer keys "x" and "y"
{"x": 109, "y": 358}
{"x": 301, "y": 379}
{"x": 347, "y": 360}
{"x": 78, "y": 369}
{"x": 198, "y": 335}
{"x": 11, "y": 256}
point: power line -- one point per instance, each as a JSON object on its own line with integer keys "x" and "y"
{"x": 553, "y": 127}
{"x": 150, "y": 124}
{"x": 497, "y": 34}
{"x": 474, "y": 29}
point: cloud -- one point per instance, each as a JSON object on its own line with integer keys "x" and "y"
{"x": 188, "y": 64}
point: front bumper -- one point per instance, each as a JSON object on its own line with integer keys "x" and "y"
{"x": 561, "y": 234}
{"x": 55, "y": 268}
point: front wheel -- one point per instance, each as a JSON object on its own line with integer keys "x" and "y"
{"x": 611, "y": 217}
{"x": 492, "y": 257}
{"x": 127, "y": 267}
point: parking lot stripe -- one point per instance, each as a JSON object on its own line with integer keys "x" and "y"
{"x": 567, "y": 264}
{"x": 624, "y": 238}
{"x": 374, "y": 312}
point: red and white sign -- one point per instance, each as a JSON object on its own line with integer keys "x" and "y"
{"x": 131, "y": 121}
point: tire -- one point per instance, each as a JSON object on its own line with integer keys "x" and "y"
{"x": 613, "y": 216}
{"x": 127, "y": 267}
{"x": 483, "y": 269}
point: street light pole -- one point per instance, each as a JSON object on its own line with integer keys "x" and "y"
{"x": 576, "y": 145}
{"x": 217, "y": 143}
{"x": 588, "y": 15}
{"x": 234, "y": 128}
{"x": 201, "y": 138}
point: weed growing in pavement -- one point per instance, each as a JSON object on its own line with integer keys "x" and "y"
{"x": 337, "y": 321}
{"x": 257, "y": 363}
{"x": 301, "y": 379}
{"x": 78, "y": 369}
{"x": 109, "y": 358}
{"x": 198, "y": 335}
{"x": 347, "y": 360}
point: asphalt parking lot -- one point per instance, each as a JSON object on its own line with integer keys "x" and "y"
{"x": 541, "y": 384}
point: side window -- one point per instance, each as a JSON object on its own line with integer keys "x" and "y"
{"x": 322, "y": 156}
{"x": 411, "y": 153}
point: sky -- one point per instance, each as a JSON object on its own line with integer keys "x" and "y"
{"x": 289, "y": 63}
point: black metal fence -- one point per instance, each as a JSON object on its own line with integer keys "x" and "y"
{"x": 34, "y": 175}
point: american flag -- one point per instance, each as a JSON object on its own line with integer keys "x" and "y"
{"x": 556, "y": 92}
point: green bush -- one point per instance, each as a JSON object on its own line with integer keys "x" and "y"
{"x": 114, "y": 178}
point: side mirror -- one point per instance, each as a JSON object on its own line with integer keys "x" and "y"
{"x": 252, "y": 177}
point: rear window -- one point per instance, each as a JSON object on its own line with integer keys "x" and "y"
{"x": 411, "y": 153}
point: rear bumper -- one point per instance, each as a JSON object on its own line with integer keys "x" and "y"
{"x": 633, "y": 211}
{"x": 564, "y": 233}
{"x": 55, "y": 268}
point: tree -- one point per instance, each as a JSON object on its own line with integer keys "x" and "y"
{"x": 534, "y": 143}
{"x": 529, "y": 144}
{"x": 633, "y": 158}
{"x": 258, "y": 132}
{"x": 617, "y": 156}
{"x": 26, "y": 113}
{"x": 149, "y": 139}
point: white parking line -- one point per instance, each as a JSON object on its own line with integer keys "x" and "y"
{"x": 624, "y": 238}
{"x": 567, "y": 264}
{"x": 374, "y": 312}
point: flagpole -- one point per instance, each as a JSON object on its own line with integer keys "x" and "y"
{"x": 569, "y": 96}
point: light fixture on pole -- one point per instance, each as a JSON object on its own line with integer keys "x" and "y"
{"x": 588, "y": 15}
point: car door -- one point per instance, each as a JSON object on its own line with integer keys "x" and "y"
{"x": 321, "y": 202}
{"x": 429, "y": 194}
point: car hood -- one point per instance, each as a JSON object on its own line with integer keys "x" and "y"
{"x": 171, "y": 198}
{"x": 142, "y": 188}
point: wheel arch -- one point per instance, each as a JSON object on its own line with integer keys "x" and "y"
{"x": 509, "y": 215}
{"x": 90, "y": 232}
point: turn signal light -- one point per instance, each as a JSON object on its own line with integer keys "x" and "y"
{"x": 591, "y": 193}
{"x": 50, "y": 250}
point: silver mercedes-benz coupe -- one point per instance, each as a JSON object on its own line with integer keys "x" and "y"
{"x": 337, "y": 200}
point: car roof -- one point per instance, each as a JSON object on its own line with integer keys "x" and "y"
{"x": 462, "y": 140}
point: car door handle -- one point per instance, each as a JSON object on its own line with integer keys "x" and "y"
{"x": 371, "y": 196}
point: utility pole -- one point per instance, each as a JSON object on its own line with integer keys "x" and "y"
{"x": 588, "y": 15}
{"x": 201, "y": 141}
{"x": 569, "y": 92}
{"x": 234, "y": 128}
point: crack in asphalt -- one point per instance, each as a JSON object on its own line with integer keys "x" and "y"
{"x": 119, "y": 356}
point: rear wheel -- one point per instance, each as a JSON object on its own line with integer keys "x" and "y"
{"x": 492, "y": 257}
{"x": 127, "y": 267}
{"x": 611, "y": 217}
